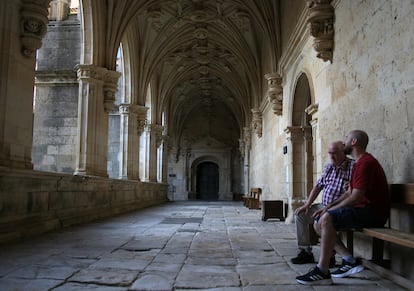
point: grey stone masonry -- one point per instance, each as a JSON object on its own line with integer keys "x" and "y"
{"x": 56, "y": 98}
{"x": 189, "y": 245}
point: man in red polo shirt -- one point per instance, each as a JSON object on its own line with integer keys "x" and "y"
{"x": 367, "y": 204}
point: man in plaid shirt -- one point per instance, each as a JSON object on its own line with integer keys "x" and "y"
{"x": 334, "y": 182}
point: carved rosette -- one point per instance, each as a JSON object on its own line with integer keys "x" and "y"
{"x": 321, "y": 25}
{"x": 33, "y": 25}
{"x": 257, "y": 121}
{"x": 274, "y": 92}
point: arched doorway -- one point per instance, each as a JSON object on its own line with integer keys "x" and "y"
{"x": 300, "y": 140}
{"x": 207, "y": 181}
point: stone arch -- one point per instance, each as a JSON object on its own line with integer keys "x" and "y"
{"x": 300, "y": 142}
{"x": 223, "y": 175}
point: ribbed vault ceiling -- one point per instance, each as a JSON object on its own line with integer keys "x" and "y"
{"x": 198, "y": 55}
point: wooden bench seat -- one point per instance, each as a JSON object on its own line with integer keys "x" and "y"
{"x": 402, "y": 195}
{"x": 252, "y": 200}
{"x": 392, "y": 235}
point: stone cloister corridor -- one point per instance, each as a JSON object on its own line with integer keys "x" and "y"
{"x": 109, "y": 107}
{"x": 188, "y": 245}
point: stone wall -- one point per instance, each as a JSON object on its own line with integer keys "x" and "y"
{"x": 368, "y": 85}
{"x": 33, "y": 202}
{"x": 56, "y": 98}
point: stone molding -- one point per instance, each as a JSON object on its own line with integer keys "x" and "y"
{"x": 33, "y": 25}
{"x": 257, "y": 121}
{"x": 321, "y": 25}
{"x": 275, "y": 92}
{"x": 56, "y": 78}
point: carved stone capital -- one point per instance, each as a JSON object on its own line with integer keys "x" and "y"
{"x": 33, "y": 25}
{"x": 257, "y": 121}
{"x": 275, "y": 92}
{"x": 90, "y": 72}
{"x": 321, "y": 25}
{"x": 110, "y": 87}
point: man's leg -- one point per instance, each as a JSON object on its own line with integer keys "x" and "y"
{"x": 303, "y": 221}
{"x": 328, "y": 241}
{"x": 320, "y": 274}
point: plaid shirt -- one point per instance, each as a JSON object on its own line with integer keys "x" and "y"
{"x": 335, "y": 180}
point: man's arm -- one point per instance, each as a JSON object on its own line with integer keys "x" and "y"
{"x": 312, "y": 196}
{"x": 353, "y": 198}
{"x": 346, "y": 199}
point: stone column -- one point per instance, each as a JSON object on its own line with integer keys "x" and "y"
{"x": 162, "y": 169}
{"x": 312, "y": 110}
{"x": 247, "y": 145}
{"x": 132, "y": 125}
{"x": 23, "y": 25}
{"x": 156, "y": 157}
{"x": 294, "y": 137}
{"x": 97, "y": 87}
{"x": 152, "y": 139}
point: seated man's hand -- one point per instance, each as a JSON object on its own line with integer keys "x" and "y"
{"x": 302, "y": 208}
{"x": 320, "y": 212}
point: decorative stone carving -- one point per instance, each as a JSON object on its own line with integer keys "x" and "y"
{"x": 247, "y": 137}
{"x": 158, "y": 129}
{"x": 141, "y": 113}
{"x": 257, "y": 122}
{"x": 321, "y": 24}
{"x": 33, "y": 25}
{"x": 274, "y": 92}
{"x": 107, "y": 77}
{"x": 110, "y": 87}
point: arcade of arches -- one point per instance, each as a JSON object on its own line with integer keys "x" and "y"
{"x": 111, "y": 106}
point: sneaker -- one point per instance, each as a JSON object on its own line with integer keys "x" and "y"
{"x": 303, "y": 257}
{"x": 315, "y": 277}
{"x": 347, "y": 269}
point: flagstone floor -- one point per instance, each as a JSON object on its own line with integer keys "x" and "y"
{"x": 189, "y": 245}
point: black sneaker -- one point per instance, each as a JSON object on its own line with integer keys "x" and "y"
{"x": 347, "y": 269}
{"x": 303, "y": 257}
{"x": 315, "y": 277}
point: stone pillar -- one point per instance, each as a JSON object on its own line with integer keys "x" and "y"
{"x": 163, "y": 160}
{"x": 22, "y": 28}
{"x": 97, "y": 87}
{"x": 155, "y": 144}
{"x": 312, "y": 110}
{"x": 247, "y": 142}
{"x": 59, "y": 10}
{"x": 132, "y": 125}
{"x": 152, "y": 139}
{"x": 294, "y": 137}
